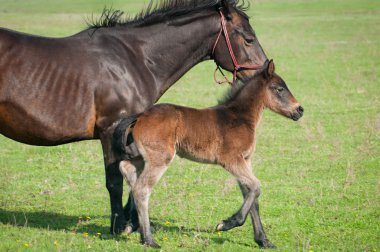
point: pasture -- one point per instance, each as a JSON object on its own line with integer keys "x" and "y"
{"x": 320, "y": 176}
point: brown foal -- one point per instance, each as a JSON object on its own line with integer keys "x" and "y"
{"x": 224, "y": 135}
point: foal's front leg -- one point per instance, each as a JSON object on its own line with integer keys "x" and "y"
{"x": 238, "y": 219}
{"x": 258, "y": 230}
{"x": 250, "y": 187}
{"x": 239, "y": 169}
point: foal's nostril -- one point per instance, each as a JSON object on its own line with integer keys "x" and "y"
{"x": 300, "y": 109}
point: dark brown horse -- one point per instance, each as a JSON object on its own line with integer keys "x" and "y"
{"x": 59, "y": 90}
{"x": 223, "y": 135}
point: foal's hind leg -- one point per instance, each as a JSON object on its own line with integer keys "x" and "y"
{"x": 243, "y": 174}
{"x": 156, "y": 163}
{"x": 130, "y": 171}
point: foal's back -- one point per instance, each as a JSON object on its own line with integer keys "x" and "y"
{"x": 205, "y": 135}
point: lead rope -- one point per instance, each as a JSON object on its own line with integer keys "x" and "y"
{"x": 226, "y": 80}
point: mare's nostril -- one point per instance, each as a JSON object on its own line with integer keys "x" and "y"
{"x": 300, "y": 109}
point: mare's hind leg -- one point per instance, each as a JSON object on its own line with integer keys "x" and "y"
{"x": 239, "y": 169}
{"x": 258, "y": 230}
{"x": 114, "y": 182}
{"x": 130, "y": 214}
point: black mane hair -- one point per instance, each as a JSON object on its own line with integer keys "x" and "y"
{"x": 160, "y": 10}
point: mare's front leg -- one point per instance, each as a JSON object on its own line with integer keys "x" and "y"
{"x": 114, "y": 183}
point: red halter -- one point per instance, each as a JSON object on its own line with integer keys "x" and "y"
{"x": 237, "y": 66}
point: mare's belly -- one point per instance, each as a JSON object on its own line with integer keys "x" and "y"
{"x": 45, "y": 128}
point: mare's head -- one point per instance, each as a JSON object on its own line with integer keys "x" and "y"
{"x": 244, "y": 43}
{"x": 276, "y": 95}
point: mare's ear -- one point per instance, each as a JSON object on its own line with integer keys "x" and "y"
{"x": 269, "y": 69}
{"x": 225, "y": 6}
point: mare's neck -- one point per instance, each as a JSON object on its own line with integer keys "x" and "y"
{"x": 172, "y": 48}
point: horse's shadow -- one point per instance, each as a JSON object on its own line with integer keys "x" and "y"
{"x": 51, "y": 221}
{"x": 201, "y": 232}
{"x": 77, "y": 224}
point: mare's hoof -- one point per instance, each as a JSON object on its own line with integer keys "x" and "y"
{"x": 128, "y": 230}
{"x": 266, "y": 244}
{"x": 117, "y": 224}
{"x": 117, "y": 231}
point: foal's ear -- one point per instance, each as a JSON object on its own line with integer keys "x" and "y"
{"x": 269, "y": 68}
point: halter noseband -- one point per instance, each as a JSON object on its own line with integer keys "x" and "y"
{"x": 237, "y": 66}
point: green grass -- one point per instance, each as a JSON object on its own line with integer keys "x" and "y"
{"x": 320, "y": 176}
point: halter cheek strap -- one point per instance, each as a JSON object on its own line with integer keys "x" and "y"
{"x": 237, "y": 66}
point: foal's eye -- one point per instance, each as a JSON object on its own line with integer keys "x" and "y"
{"x": 279, "y": 89}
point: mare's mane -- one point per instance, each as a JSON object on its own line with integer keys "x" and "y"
{"x": 161, "y": 10}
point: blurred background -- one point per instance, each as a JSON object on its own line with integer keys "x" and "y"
{"x": 320, "y": 176}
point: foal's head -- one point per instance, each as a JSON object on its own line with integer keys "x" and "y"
{"x": 276, "y": 95}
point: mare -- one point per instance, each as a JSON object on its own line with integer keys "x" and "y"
{"x": 60, "y": 90}
{"x": 224, "y": 135}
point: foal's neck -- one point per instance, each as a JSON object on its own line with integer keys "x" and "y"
{"x": 248, "y": 104}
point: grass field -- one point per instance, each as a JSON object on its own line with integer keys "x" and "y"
{"x": 320, "y": 176}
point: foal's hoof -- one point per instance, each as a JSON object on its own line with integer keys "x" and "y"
{"x": 226, "y": 225}
{"x": 130, "y": 229}
{"x": 220, "y": 227}
{"x": 152, "y": 244}
{"x": 266, "y": 244}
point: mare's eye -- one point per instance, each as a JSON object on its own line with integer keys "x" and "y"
{"x": 249, "y": 40}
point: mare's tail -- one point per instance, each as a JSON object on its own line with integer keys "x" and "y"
{"x": 122, "y": 140}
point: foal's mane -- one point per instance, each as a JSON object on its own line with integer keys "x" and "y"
{"x": 239, "y": 87}
{"x": 161, "y": 10}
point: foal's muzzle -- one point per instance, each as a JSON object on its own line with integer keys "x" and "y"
{"x": 297, "y": 113}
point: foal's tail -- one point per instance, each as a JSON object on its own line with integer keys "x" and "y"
{"x": 122, "y": 140}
